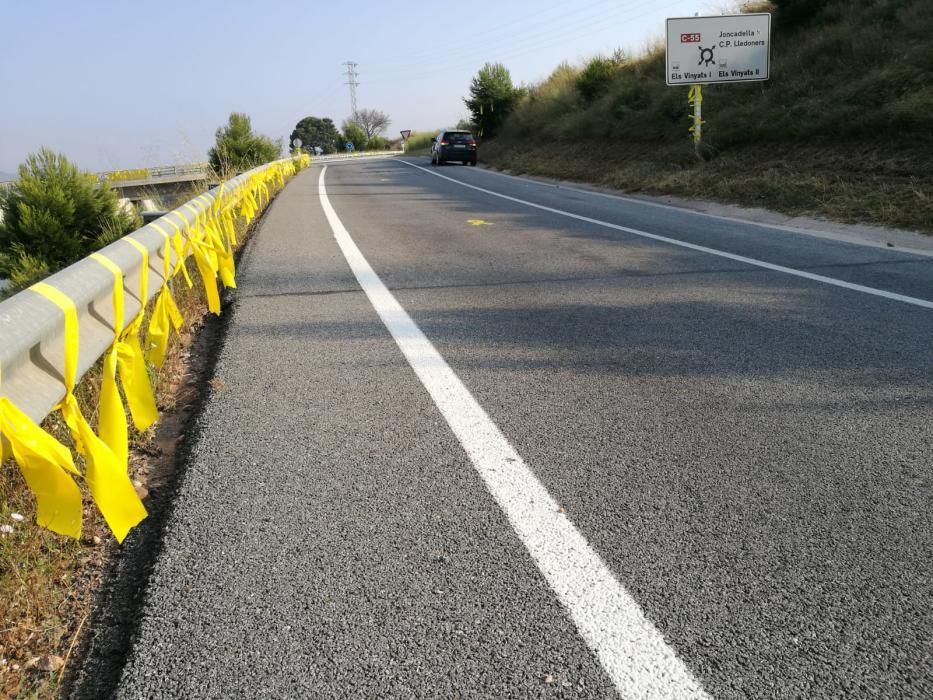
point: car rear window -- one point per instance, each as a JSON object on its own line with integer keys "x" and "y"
{"x": 459, "y": 136}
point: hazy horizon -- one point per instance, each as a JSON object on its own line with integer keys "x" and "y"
{"x": 112, "y": 86}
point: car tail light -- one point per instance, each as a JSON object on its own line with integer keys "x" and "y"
{"x": 443, "y": 143}
{"x": 471, "y": 142}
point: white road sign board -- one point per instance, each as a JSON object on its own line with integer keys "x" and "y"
{"x": 720, "y": 49}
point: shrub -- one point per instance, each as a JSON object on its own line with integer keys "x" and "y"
{"x": 238, "y": 149}
{"x": 596, "y": 76}
{"x": 53, "y": 216}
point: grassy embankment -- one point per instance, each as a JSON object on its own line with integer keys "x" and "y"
{"x": 844, "y": 128}
{"x": 419, "y": 143}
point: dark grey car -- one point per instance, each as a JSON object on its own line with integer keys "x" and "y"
{"x": 453, "y": 144}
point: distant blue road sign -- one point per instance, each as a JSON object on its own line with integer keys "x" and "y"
{"x": 349, "y": 146}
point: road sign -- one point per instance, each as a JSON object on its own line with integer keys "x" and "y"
{"x": 349, "y": 147}
{"x": 719, "y": 49}
{"x": 405, "y": 134}
{"x": 296, "y": 143}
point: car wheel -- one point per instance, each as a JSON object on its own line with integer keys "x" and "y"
{"x": 472, "y": 162}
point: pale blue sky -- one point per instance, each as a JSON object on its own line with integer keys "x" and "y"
{"x": 126, "y": 84}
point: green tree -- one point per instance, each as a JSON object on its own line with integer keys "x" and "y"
{"x": 54, "y": 215}
{"x": 354, "y": 133}
{"x": 237, "y": 148}
{"x": 314, "y": 131}
{"x": 492, "y": 97}
{"x": 372, "y": 122}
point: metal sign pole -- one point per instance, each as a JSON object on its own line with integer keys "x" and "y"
{"x": 697, "y": 118}
{"x": 695, "y": 97}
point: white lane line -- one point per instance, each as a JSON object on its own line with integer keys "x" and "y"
{"x": 813, "y": 233}
{"x": 628, "y": 645}
{"x": 692, "y": 246}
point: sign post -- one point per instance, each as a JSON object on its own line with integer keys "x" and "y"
{"x": 718, "y": 49}
{"x": 405, "y": 134}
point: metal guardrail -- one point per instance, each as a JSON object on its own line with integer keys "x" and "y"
{"x": 351, "y": 156}
{"x": 32, "y": 329}
{"x": 159, "y": 171}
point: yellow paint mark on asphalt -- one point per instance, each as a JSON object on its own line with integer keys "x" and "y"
{"x": 478, "y": 222}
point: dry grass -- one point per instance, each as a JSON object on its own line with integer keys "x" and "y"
{"x": 856, "y": 184}
{"x": 419, "y": 143}
{"x": 48, "y": 582}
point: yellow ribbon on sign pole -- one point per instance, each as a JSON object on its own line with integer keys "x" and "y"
{"x": 107, "y": 480}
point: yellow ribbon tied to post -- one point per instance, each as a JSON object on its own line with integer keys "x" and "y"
{"x": 106, "y": 478}
{"x": 695, "y": 99}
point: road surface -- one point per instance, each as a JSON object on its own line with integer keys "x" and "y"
{"x": 477, "y": 436}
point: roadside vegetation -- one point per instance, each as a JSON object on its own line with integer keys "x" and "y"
{"x": 843, "y": 129}
{"x": 54, "y": 215}
{"x": 238, "y": 148}
{"x": 366, "y": 130}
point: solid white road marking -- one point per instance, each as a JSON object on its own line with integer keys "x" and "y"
{"x": 813, "y": 233}
{"x": 692, "y": 246}
{"x": 628, "y": 645}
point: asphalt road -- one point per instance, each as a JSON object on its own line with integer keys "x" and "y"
{"x": 745, "y": 452}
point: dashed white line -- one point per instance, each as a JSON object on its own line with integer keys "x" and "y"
{"x": 631, "y": 649}
{"x": 692, "y": 246}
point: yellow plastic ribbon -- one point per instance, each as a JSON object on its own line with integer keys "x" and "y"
{"x": 165, "y": 314}
{"x": 47, "y": 467}
{"x": 111, "y": 415}
{"x": 205, "y": 265}
{"x": 107, "y": 481}
{"x": 181, "y": 252}
{"x": 133, "y": 371}
{"x": 694, "y": 98}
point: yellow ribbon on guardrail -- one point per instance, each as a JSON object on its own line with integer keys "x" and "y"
{"x": 206, "y": 266}
{"x": 47, "y": 467}
{"x": 179, "y": 246}
{"x": 133, "y": 372}
{"x": 165, "y": 313}
{"x": 46, "y": 464}
{"x": 107, "y": 481}
{"x": 111, "y": 416}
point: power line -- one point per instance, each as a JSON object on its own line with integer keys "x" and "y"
{"x": 352, "y": 76}
{"x": 526, "y": 42}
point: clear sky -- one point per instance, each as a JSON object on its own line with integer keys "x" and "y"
{"x": 120, "y": 84}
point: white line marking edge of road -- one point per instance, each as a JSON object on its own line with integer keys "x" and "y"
{"x": 784, "y": 228}
{"x": 915, "y": 301}
{"x": 630, "y": 648}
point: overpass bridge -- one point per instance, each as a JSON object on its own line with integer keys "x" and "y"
{"x": 161, "y": 181}
{"x": 476, "y": 435}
